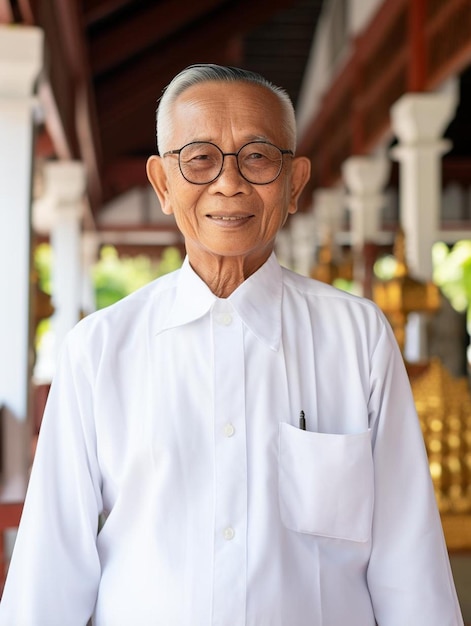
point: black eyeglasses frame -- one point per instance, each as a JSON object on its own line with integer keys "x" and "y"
{"x": 224, "y": 154}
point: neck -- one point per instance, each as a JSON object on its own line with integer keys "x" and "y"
{"x": 224, "y": 274}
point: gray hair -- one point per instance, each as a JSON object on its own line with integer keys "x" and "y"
{"x": 204, "y": 72}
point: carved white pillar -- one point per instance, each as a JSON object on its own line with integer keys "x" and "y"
{"x": 303, "y": 243}
{"x": 64, "y": 188}
{"x": 329, "y": 206}
{"x": 283, "y": 248}
{"x": 20, "y": 63}
{"x": 419, "y": 121}
{"x": 365, "y": 178}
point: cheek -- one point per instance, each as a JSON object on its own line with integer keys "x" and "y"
{"x": 276, "y": 207}
{"x": 183, "y": 199}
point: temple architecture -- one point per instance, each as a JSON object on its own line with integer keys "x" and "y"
{"x": 383, "y": 115}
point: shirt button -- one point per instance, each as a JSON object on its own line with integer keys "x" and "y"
{"x": 229, "y": 533}
{"x": 229, "y": 430}
{"x": 225, "y": 319}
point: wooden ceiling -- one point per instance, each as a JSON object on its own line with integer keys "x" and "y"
{"x": 107, "y": 62}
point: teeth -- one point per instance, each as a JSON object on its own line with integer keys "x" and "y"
{"x": 227, "y": 219}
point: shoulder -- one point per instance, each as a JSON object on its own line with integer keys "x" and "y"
{"x": 331, "y": 308}
{"x": 310, "y": 288}
{"x": 137, "y": 309}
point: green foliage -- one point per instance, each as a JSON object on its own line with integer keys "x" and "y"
{"x": 116, "y": 277}
{"x": 346, "y": 285}
{"x": 43, "y": 263}
{"x": 452, "y": 273}
{"x": 385, "y": 267}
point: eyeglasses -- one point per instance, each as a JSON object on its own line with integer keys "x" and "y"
{"x": 201, "y": 162}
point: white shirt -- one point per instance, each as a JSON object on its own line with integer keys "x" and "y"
{"x": 177, "y": 413}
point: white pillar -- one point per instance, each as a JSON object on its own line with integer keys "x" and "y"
{"x": 20, "y": 63}
{"x": 303, "y": 244}
{"x": 329, "y": 206}
{"x": 64, "y": 188}
{"x": 283, "y": 248}
{"x": 419, "y": 121}
{"x": 365, "y": 178}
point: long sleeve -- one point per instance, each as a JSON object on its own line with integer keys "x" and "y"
{"x": 409, "y": 576}
{"x": 54, "y": 573}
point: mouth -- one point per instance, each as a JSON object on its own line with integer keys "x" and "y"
{"x": 229, "y": 218}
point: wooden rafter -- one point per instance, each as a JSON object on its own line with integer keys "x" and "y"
{"x": 117, "y": 95}
{"x": 132, "y": 35}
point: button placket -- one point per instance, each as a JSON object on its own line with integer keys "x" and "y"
{"x": 230, "y": 463}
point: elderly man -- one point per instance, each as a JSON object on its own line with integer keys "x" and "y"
{"x": 246, "y": 436}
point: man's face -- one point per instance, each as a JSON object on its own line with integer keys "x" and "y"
{"x": 229, "y": 217}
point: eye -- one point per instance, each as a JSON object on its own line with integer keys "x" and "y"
{"x": 194, "y": 155}
{"x": 199, "y": 155}
{"x": 256, "y": 159}
{"x": 253, "y": 156}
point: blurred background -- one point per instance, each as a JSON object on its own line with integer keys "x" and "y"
{"x": 382, "y": 91}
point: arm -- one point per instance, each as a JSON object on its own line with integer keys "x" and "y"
{"x": 409, "y": 574}
{"x": 54, "y": 573}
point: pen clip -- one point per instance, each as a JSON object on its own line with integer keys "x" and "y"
{"x": 302, "y": 421}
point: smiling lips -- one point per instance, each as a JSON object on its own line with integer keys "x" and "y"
{"x": 231, "y": 218}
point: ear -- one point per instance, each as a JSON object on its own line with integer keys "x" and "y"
{"x": 300, "y": 173}
{"x": 158, "y": 179}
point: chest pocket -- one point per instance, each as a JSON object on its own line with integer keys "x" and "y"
{"x": 326, "y": 483}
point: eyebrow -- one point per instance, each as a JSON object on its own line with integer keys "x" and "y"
{"x": 245, "y": 140}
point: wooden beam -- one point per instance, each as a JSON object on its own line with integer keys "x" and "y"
{"x": 95, "y": 10}
{"x": 53, "y": 122}
{"x": 124, "y": 174}
{"x": 417, "y": 46}
{"x": 134, "y": 34}
{"x": 143, "y": 80}
{"x": 28, "y": 9}
{"x": 10, "y": 514}
{"x": 6, "y": 14}
{"x": 75, "y": 53}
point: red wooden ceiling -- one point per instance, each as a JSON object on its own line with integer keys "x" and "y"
{"x": 107, "y": 62}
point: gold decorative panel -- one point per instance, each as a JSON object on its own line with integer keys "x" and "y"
{"x": 443, "y": 405}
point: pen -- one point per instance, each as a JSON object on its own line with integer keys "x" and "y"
{"x": 302, "y": 421}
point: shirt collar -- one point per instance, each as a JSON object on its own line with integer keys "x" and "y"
{"x": 193, "y": 299}
{"x": 257, "y": 301}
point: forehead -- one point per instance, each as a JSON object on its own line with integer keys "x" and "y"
{"x": 211, "y": 110}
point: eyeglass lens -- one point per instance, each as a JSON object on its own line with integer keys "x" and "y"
{"x": 202, "y": 162}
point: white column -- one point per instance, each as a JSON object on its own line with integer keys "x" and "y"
{"x": 64, "y": 188}
{"x": 303, "y": 244}
{"x": 20, "y": 63}
{"x": 329, "y": 207}
{"x": 419, "y": 121}
{"x": 283, "y": 248}
{"x": 365, "y": 178}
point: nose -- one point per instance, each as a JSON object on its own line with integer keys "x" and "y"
{"x": 230, "y": 177}
{"x": 232, "y": 164}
